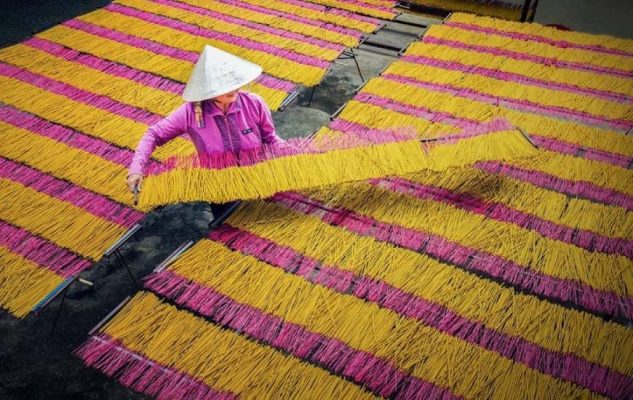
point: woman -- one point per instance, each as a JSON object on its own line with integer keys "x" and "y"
{"x": 217, "y": 115}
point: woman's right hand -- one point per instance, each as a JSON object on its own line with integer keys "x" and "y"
{"x": 134, "y": 181}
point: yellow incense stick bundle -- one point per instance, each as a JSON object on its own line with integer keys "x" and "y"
{"x": 494, "y": 140}
{"x": 329, "y": 159}
{"x": 295, "y": 165}
{"x": 497, "y": 140}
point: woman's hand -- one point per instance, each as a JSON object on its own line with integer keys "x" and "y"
{"x": 134, "y": 181}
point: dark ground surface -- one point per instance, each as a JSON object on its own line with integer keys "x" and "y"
{"x": 19, "y": 19}
{"x": 36, "y": 365}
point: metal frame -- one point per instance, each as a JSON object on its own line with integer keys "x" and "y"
{"x": 527, "y": 137}
{"x": 220, "y": 220}
{"x": 404, "y": 49}
{"x": 313, "y": 204}
{"x": 420, "y": 8}
{"x": 115, "y": 250}
{"x": 288, "y": 100}
{"x": 48, "y": 299}
{"x": 309, "y": 103}
{"x": 438, "y": 139}
{"x": 528, "y": 12}
{"x": 313, "y": 88}
{"x": 381, "y": 45}
{"x": 173, "y": 256}
{"x": 337, "y": 112}
{"x": 108, "y": 317}
{"x": 127, "y": 235}
{"x": 382, "y": 25}
{"x": 60, "y": 290}
{"x": 399, "y": 21}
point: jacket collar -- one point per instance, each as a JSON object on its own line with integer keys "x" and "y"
{"x": 212, "y": 109}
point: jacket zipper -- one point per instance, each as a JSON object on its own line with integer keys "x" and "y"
{"x": 228, "y": 131}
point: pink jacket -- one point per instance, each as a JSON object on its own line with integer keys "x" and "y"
{"x": 246, "y": 125}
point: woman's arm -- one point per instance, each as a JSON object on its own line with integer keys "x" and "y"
{"x": 157, "y": 135}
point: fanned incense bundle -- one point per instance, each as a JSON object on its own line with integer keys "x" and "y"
{"x": 495, "y": 140}
{"x": 328, "y": 159}
{"x": 293, "y": 165}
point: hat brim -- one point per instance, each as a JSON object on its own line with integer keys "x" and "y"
{"x": 199, "y": 95}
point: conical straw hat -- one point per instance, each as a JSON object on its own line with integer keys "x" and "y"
{"x": 218, "y": 72}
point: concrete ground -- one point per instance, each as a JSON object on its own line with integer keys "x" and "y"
{"x": 36, "y": 365}
{"x": 609, "y": 17}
